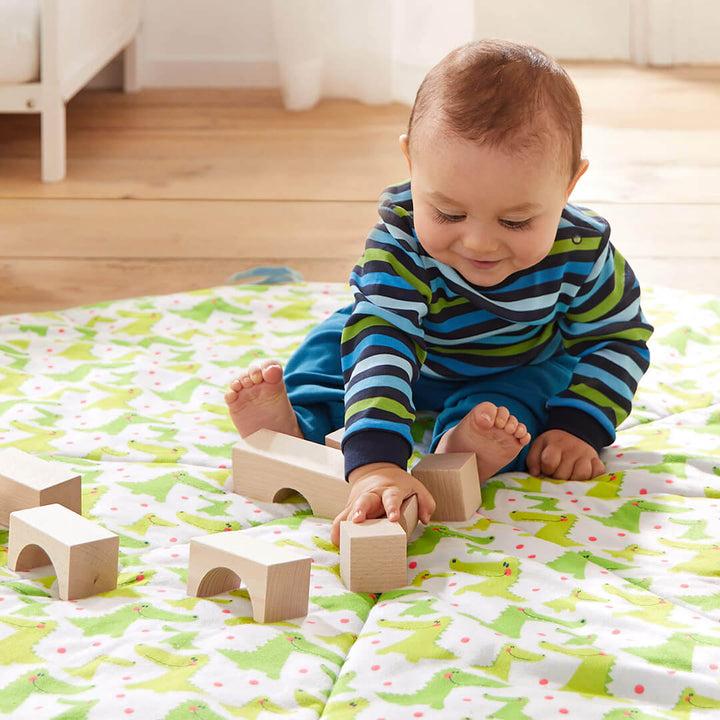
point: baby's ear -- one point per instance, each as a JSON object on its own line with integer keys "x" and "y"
{"x": 584, "y": 164}
{"x": 405, "y": 146}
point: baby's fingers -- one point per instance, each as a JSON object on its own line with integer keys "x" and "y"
{"x": 335, "y": 530}
{"x": 426, "y": 504}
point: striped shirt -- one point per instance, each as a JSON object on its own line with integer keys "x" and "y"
{"x": 414, "y": 315}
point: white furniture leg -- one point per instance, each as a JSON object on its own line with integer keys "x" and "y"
{"x": 52, "y": 133}
{"x": 131, "y": 67}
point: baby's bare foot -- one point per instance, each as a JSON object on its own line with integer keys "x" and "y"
{"x": 258, "y": 399}
{"x": 492, "y": 433}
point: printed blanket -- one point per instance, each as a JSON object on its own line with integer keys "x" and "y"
{"x": 598, "y": 600}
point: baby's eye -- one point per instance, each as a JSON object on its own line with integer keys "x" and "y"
{"x": 515, "y": 224}
{"x": 442, "y": 217}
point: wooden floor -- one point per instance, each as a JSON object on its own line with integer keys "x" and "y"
{"x": 171, "y": 190}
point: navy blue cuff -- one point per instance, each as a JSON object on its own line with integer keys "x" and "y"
{"x": 580, "y": 424}
{"x": 371, "y": 446}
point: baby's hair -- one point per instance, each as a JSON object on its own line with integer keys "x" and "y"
{"x": 502, "y": 94}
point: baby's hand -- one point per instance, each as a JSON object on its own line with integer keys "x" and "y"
{"x": 563, "y": 456}
{"x": 378, "y": 490}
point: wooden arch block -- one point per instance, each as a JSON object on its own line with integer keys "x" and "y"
{"x": 83, "y": 554}
{"x": 277, "y": 579}
{"x": 452, "y": 479}
{"x": 27, "y": 481}
{"x": 267, "y": 465}
{"x": 335, "y": 438}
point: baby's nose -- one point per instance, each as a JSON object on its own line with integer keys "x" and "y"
{"x": 480, "y": 241}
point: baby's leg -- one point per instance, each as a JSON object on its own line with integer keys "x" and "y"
{"x": 492, "y": 433}
{"x": 515, "y": 405}
{"x": 258, "y": 399}
{"x": 307, "y": 400}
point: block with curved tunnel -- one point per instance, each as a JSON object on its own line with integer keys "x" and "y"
{"x": 267, "y": 464}
{"x": 277, "y": 579}
{"x": 83, "y": 554}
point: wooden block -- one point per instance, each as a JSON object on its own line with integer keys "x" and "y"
{"x": 334, "y": 439}
{"x": 373, "y": 555}
{"x": 83, "y": 554}
{"x": 409, "y": 515}
{"x": 452, "y": 479}
{"x": 277, "y": 579}
{"x": 27, "y": 481}
{"x": 268, "y": 465}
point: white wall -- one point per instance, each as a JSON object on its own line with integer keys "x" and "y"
{"x": 567, "y": 29}
{"x": 208, "y": 43}
{"x": 231, "y": 43}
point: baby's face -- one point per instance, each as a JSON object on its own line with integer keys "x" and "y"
{"x": 485, "y": 213}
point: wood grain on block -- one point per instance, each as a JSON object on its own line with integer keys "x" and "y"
{"x": 277, "y": 578}
{"x": 373, "y": 555}
{"x": 268, "y": 464}
{"x": 28, "y": 481}
{"x": 83, "y": 554}
{"x": 452, "y": 479}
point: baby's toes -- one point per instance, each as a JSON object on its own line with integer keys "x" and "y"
{"x": 502, "y": 417}
{"x": 511, "y": 425}
{"x": 521, "y": 433}
{"x": 246, "y": 381}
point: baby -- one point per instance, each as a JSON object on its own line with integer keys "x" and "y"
{"x": 481, "y": 295}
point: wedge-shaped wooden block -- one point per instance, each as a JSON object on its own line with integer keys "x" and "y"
{"x": 334, "y": 439}
{"x": 83, "y": 554}
{"x": 28, "y": 481}
{"x": 452, "y": 479}
{"x": 268, "y": 465}
{"x": 277, "y": 579}
{"x": 409, "y": 515}
{"x": 373, "y": 555}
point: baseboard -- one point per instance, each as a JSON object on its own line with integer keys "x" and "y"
{"x": 209, "y": 73}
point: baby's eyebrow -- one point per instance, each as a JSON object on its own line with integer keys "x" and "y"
{"x": 437, "y": 195}
{"x": 526, "y": 207}
{"x": 523, "y": 208}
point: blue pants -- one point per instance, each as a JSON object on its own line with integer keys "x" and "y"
{"x": 314, "y": 381}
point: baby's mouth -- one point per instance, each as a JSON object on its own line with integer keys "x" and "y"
{"x": 483, "y": 264}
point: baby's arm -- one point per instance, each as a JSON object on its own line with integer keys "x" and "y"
{"x": 378, "y": 490}
{"x": 561, "y": 455}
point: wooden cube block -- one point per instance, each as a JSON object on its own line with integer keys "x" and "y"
{"x": 83, "y": 554}
{"x": 28, "y": 481}
{"x": 267, "y": 465}
{"x": 452, "y": 479}
{"x": 373, "y": 555}
{"x": 334, "y": 439}
{"x": 277, "y": 579}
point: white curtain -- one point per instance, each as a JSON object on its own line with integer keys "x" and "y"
{"x": 376, "y": 51}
